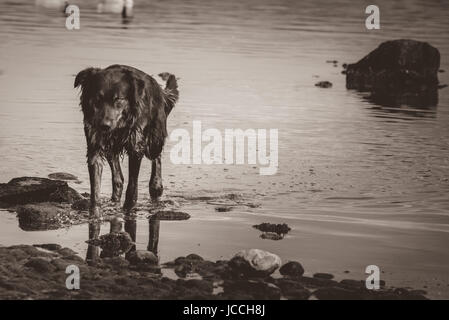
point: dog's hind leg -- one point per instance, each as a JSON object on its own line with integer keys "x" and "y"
{"x": 131, "y": 190}
{"x": 95, "y": 170}
{"x": 156, "y": 187}
{"x": 117, "y": 177}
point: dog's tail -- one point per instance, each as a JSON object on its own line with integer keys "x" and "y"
{"x": 171, "y": 91}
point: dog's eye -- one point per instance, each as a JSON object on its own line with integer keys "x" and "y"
{"x": 119, "y": 101}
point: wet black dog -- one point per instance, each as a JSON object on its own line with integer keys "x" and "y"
{"x": 125, "y": 111}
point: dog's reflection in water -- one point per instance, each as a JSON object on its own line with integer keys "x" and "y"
{"x": 117, "y": 242}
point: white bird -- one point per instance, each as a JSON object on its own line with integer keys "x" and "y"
{"x": 125, "y": 7}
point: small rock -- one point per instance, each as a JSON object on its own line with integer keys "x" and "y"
{"x": 255, "y": 262}
{"x": 40, "y": 265}
{"x": 259, "y": 290}
{"x": 323, "y": 84}
{"x": 60, "y": 264}
{"x": 194, "y": 256}
{"x": 197, "y": 284}
{"x": 62, "y": 176}
{"x": 65, "y": 252}
{"x": 82, "y": 205}
{"x": 171, "y": 215}
{"x": 334, "y": 293}
{"x": 40, "y": 216}
{"x": 48, "y": 246}
{"x": 223, "y": 209}
{"x": 142, "y": 256}
{"x": 117, "y": 262}
{"x": 271, "y": 227}
{"x": 292, "y": 269}
{"x": 74, "y": 258}
{"x": 271, "y": 236}
{"x": 326, "y": 276}
{"x": 400, "y": 291}
{"x": 317, "y": 282}
{"x": 350, "y": 283}
{"x": 292, "y": 289}
{"x": 182, "y": 270}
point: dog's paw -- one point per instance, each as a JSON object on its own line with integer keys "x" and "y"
{"x": 156, "y": 192}
{"x": 94, "y": 213}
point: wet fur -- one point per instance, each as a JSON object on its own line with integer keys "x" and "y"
{"x": 142, "y": 128}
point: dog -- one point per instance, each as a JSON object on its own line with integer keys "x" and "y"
{"x": 125, "y": 112}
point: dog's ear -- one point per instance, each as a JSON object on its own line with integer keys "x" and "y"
{"x": 136, "y": 88}
{"x": 83, "y": 77}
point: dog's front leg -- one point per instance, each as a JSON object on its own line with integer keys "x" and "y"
{"x": 156, "y": 187}
{"x": 93, "y": 252}
{"x": 117, "y": 177}
{"x": 131, "y": 190}
{"x": 95, "y": 170}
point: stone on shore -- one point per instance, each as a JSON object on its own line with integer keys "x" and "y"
{"x": 27, "y": 190}
{"x": 27, "y": 272}
{"x": 171, "y": 215}
{"x": 82, "y": 205}
{"x": 142, "y": 256}
{"x": 48, "y": 246}
{"x": 292, "y": 269}
{"x": 41, "y": 216}
{"x": 397, "y": 65}
{"x": 324, "y": 84}
{"x": 255, "y": 263}
{"x": 280, "y": 229}
{"x": 326, "y": 276}
{"x": 62, "y": 176}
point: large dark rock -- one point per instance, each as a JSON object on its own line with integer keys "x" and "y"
{"x": 41, "y": 216}
{"x": 398, "y": 72}
{"x": 396, "y": 64}
{"x": 26, "y": 190}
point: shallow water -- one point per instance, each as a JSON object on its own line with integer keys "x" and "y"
{"x": 358, "y": 183}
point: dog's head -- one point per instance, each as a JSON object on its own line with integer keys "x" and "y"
{"x": 109, "y": 97}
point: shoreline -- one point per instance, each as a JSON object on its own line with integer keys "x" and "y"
{"x": 219, "y": 234}
{"x": 30, "y": 272}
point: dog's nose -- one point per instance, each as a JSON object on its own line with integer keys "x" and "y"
{"x": 105, "y": 126}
